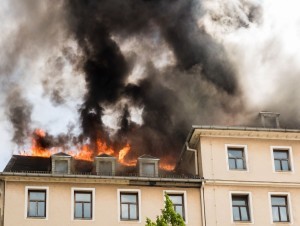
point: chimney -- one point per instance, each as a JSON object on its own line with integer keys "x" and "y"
{"x": 269, "y": 119}
{"x": 148, "y": 166}
{"x": 105, "y": 165}
{"x": 61, "y": 163}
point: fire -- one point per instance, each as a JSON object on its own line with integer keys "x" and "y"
{"x": 83, "y": 151}
{"x": 122, "y": 154}
{"x": 36, "y": 149}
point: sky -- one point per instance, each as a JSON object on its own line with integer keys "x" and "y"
{"x": 43, "y": 87}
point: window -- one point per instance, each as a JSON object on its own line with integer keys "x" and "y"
{"x": 179, "y": 200}
{"x": 129, "y": 206}
{"x": 105, "y": 168}
{"x": 148, "y": 169}
{"x": 178, "y": 203}
{"x": 236, "y": 158}
{"x": 61, "y": 166}
{"x": 240, "y": 207}
{"x": 280, "y": 210}
{"x": 36, "y": 204}
{"x": 281, "y": 160}
{"x": 83, "y": 205}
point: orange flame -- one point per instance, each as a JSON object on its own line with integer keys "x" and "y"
{"x": 122, "y": 154}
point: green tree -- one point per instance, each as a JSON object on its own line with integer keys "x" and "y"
{"x": 168, "y": 216}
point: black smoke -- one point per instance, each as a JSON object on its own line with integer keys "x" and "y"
{"x": 166, "y": 116}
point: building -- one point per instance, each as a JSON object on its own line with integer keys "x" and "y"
{"x": 251, "y": 176}
{"x": 228, "y": 176}
{"x": 61, "y": 190}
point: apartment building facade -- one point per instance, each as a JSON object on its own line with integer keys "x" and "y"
{"x": 60, "y": 190}
{"x": 251, "y": 176}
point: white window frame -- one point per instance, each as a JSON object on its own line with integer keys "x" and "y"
{"x": 73, "y": 190}
{"x": 27, "y": 188}
{"x": 291, "y": 161}
{"x": 138, "y": 191}
{"x": 179, "y": 192}
{"x": 245, "y": 147}
{"x": 289, "y": 204}
{"x": 250, "y": 206}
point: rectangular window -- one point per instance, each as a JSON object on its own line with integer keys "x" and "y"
{"x": 240, "y": 208}
{"x": 83, "y": 205}
{"x": 280, "y": 210}
{"x": 148, "y": 169}
{"x": 281, "y": 160}
{"x": 236, "y": 158}
{"x": 178, "y": 203}
{"x": 36, "y": 204}
{"x": 129, "y": 206}
{"x": 61, "y": 166}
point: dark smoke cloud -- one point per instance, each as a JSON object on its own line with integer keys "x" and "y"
{"x": 19, "y": 113}
{"x": 166, "y": 116}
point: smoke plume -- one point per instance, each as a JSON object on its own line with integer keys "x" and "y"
{"x": 142, "y": 72}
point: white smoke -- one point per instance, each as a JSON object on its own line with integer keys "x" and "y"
{"x": 262, "y": 39}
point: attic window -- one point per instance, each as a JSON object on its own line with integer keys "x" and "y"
{"x": 105, "y": 168}
{"x": 148, "y": 169}
{"x": 61, "y": 166}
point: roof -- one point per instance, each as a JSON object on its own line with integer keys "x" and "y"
{"x": 147, "y": 157}
{"x": 104, "y": 156}
{"x": 61, "y": 154}
{"x": 21, "y": 163}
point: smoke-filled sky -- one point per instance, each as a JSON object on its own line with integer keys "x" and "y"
{"x": 143, "y": 71}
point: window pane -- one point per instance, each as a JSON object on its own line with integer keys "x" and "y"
{"x": 238, "y": 202}
{"x": 235, "y": 153}
{"x": 179, "y": 210}
{"x": 277, "y": 165}
{"x": 232, "y": 164}
{"x": 61, "y": 166}
{"x": 124, "y": 211}
{"x": 128, "y": 198}
{"x": 280, "y": 154}
{"x": 37, "y": 195}
{"x": 83, "y": 197}
{"x": 87, "y": 212}
{"x": 244, "y": 214}
{"x": 285, "y": 165}
{"x": 133, "y": 212}
{"x": 78, "y": 210}
{"x": 283, "y": 214}
{"x": 106, "y": 168}
{"x": 240, "y": 164}
{"x": 275, "y": 214}
{"x": 236, "y": 214}
{"x": 41, "y": 209}
{"x": 176, "y": 199}
{"x": 278, "y": 201}
{"x": 148, "y": 169}
{"x": 32, "y": 212}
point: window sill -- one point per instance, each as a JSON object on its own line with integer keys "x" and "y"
{"x": 242, "y": 222}
{"x": 36, "y": 218}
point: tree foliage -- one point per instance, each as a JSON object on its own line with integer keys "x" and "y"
{"x": 168, "y": 216}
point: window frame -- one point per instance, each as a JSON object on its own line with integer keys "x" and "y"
{"x": 139, "y": 213}
{"x": 36, "y": 188}
{"x": 290, "y": 158}
{"x": 250, "y": 206}
{"x": 289, "y": 207}
{"x": 245, "y": 155}
{"x": 184, "y": 194}
{"x": 82, "y": 190}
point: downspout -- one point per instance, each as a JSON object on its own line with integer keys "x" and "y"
{"x": 202, "y": 197}
{"x": 196, "y": 157}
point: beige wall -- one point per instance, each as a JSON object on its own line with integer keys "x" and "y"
{"x": 218, "y": 206}
{"x": 106, "y": 204}
{"x": 259, "y": 159}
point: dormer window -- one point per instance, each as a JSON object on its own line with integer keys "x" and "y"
{"x": 61, "y": 163}
{"x": 105, "y": 165}
{"x": 148, "y": 166}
